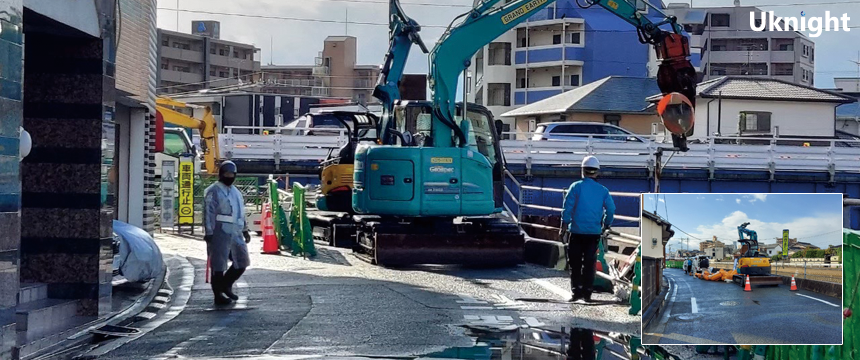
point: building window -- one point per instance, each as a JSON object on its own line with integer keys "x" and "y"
{"x": 811, "y": 54}
{"x": 222, "y": 52}
{"x": 574, "y": 80}
{"x": 805, "y": 50}
{"x": 521, "y": 83}
{"x": 212, "y": 72}
{"x": 479, "y": 96}
{"x": 499, "y": 94}
{"x": 556, "y": 81}
{"x": 755, "y": 121}
{"x": 720, "y": 20}
{"x": 499, "y": 53}
{"x": 181, "y": 68}
{"x": 181, "y": 46}
{"x": 212, "y": 51}
{"x": 223, "y": 74}
{"x": 235, "y": 54}
{"x": 165, "y": 42}
{"x": 786, "y": 47}
{"x": 164, "y": 65}
{"x": 612, "y": 119}
{"x": 556, "y": 39}
{"x": 574, "y": 38}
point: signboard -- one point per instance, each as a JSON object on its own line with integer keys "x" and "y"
{"x": 168, "y": 184}
{"x": 785, "y": 242}
{"x": 186, "y": 191}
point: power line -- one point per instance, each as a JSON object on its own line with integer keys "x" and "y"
{"x": 326, "y": 21}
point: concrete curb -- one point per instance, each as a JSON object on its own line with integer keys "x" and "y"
{"x": 655, "y": 308}
{"x": 62, "y": 349}
{"x": 820, "y": 287}
{"x": 546, "y": 253}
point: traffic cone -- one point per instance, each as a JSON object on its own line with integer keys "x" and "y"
{"x": 270, "y": 241}
{"x": 793, "y": 284}
{"x": 747, "y": 287}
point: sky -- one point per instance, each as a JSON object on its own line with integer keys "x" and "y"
{"x": 289, "y": 41}
{"x": 812, "y": 218}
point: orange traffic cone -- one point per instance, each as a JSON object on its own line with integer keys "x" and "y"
{"x": 270, "y": 241}
{"x": 747, "y": 287}
{"x": 793, "y": 284}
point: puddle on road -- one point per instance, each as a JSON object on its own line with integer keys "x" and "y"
{"x": 545, "y": 344}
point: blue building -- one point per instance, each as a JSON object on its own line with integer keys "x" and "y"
{"x": 558, "y": 49}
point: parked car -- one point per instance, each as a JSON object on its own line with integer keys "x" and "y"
{"x": 579, "y": 131}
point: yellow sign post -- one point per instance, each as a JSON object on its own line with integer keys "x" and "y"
{"x": 785, "y": 242}
{"x": 186, "y": 191}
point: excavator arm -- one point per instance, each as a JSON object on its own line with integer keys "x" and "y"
{"x": 485, "y": 22}
{"x": 207, "y": 126}
{"x": 752, "y": 239}
{"x": 403, "y": 33}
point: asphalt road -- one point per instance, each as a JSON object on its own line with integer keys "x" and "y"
{"x": 708, "y": 312}
{"x": 340, "y": 306}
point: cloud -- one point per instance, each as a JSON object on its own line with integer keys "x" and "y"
{"x": 661, "y": 200}
{"x": 802, "y": 227}
{"x": 719, "y": 199}
{"x": 738, "y": 200}
{"x": 700, "y": 198}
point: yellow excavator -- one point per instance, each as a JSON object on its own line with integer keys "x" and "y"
{"x": 169, "y": 111}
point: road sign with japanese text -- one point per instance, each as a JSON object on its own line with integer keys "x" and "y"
{"x": 785, "y": 242}
{"x": 186, "y": 191}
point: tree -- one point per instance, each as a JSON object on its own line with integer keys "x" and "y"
{"x": 775, "y": 258}
{"x": 797, "y": 255}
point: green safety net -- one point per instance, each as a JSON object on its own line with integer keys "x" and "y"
{"x": 300, "y": 225}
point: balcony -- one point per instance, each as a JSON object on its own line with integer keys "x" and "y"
{"x": 231, "y": 62}
{"x": 552, "y": 55}
{"x": 181, "y": 77}
{"x": 738, "y": 56}
{"x": 320, "y": 91}
{"x": 180, "y": 54}
{"x": 321, "y": 71}
{"x": 782, "y": 56}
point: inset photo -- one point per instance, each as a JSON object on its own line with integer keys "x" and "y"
{"x": 753, "y": 269}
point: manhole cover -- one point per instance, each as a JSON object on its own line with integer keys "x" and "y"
{"x": 687, "y": 317}
{"x": 729, "y": 303}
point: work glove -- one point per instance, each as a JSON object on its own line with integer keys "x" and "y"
{"x": 207, "y": 238}
{"x": 247, "y": 236}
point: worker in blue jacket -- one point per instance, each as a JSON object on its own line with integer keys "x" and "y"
{"x": 588, "y": 211}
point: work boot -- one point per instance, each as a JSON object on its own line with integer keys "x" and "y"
{"x": 218, "y": 289}
{"x": 230, "y": 278}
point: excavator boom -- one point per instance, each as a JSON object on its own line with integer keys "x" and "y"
{"x": 207, "y": 127}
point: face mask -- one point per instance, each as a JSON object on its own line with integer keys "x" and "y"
{"x": 228, "y": 180}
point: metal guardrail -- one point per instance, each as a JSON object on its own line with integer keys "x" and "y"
{"x": 520, "y": 203}
{"x": 712, "y": 153}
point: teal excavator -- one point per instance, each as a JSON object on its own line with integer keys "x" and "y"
{"x": 430, "y": 190}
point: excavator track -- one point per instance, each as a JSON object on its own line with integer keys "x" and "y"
{"x": 477, "y": 242}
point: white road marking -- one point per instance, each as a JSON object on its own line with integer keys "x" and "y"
{"x": 695, "y": 308}
{"x": 489, "y": 319}
{"x": 469, "y": 300}
{"x": 553, "y": 288}
{"x": 673, "y": 285}
{"x": 476, "y": 307}
{"x": 826, "y": 302}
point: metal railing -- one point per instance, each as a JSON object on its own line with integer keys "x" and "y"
{"x": 516, "y": 196}
{"x": 713, "y": 153}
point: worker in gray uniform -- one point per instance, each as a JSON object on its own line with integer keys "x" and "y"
{"x": 226, "y": 233}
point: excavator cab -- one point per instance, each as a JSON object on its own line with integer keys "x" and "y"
{"x": 336, "y": 170}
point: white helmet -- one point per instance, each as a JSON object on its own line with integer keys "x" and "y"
{"x": 590, "y": 162}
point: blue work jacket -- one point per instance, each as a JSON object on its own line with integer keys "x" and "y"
{"x": 587, "y": 207}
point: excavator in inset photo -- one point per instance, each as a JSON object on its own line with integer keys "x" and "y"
{"x": 752, "y": 262}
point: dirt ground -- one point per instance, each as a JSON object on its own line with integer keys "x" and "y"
{"x": 822, "y": 274}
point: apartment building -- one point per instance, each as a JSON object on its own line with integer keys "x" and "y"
{"x": 201, "y": 60}
{"x": 558, "y": 49}
{"x": 724, "y": 40}
{"x": 335, "y": 73}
